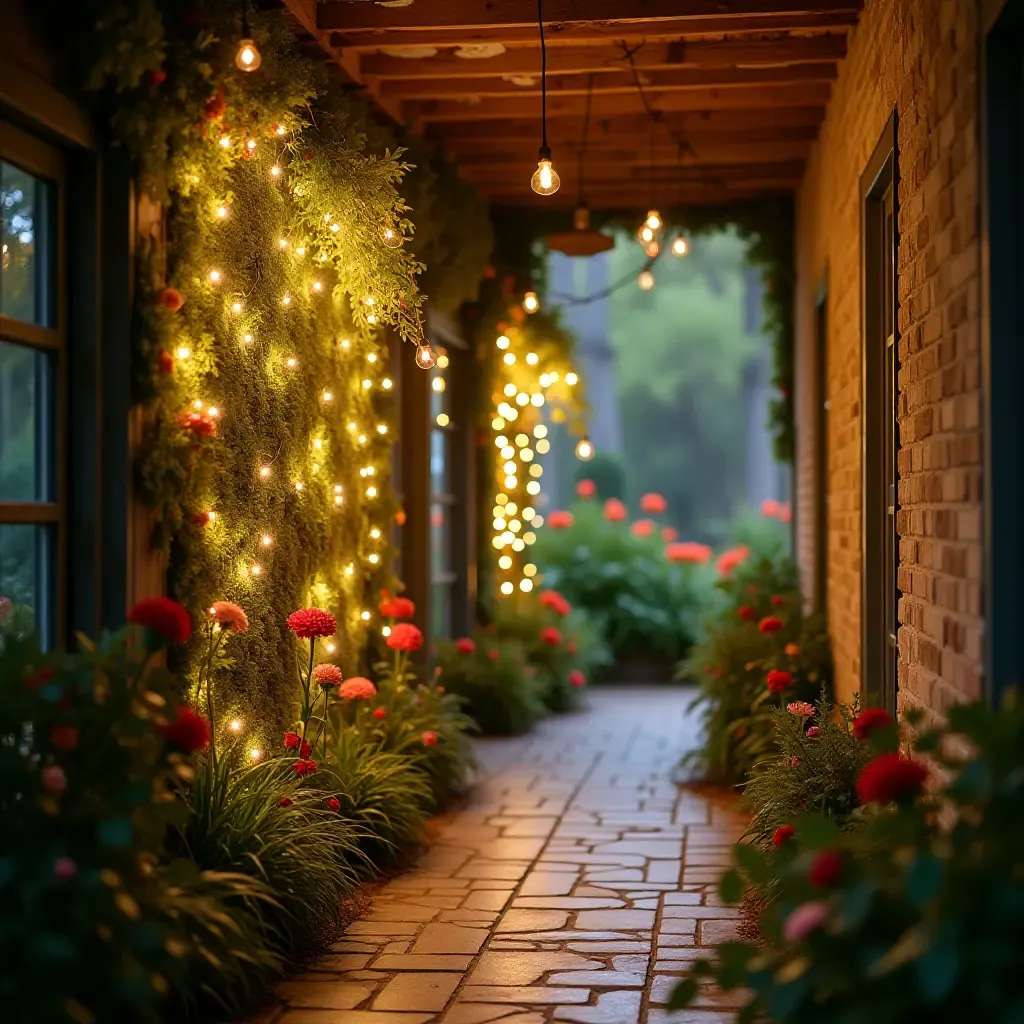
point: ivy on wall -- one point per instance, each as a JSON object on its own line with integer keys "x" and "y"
{"x": 261, "y": 352}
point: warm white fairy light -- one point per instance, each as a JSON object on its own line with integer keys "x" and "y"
{"x": 532, "y": 358}
{"x": 236, "y": 307}
{"x": 507, "y": 588}
{"x": 374, "y": 558}
{"x": 371, "y": 492}
{"x": 533, "y": 487}
{"x": 540, "y": 430}
{"x": 255, "y": 568}
{"x": 367, "y": 383}
{"x": 375, "y": 533}
{"x": 250, "y": 145}
{"x": 291, "y": 362}
{"x": 247, "y": 338}
{"x": 503, "y": 341}
{"x": 328, "y": 396}
{"x": 442, "y": 419}
{"x": 371, "y": 357}
{"x": 438, "y": 384}
{"x": 213, "y": 412}
{"x": 183, "y": 351}
{"x": 215, "y": 277}
{"x": 505, "y": 562}
{"x": 225, "y": 141}
{"x": 222, "y": 212}
{"x": 386, "y": 383}
{"x": 317, "y": 286}
{"x": 509, "y": 358}
{"x": 264, "y": 471}
{"x": 382, "y": 428}
{"x": 275, "y": 171}
{"x": 300, "y": 250}
{"x": 286, "y": 300}
{"x": 364, "y": 615}
{"x": 299, "y": 485}
{"x": 385, "y": 631}
{"x": 255, "y": 753}
{"x": 236, "y": 725}
{"x": 318, "y": 444}
{"x": 537, "y": 400}
{"x": 266, "y": 540}
{"x": 510, "y": 389}
{"x": 543, "y": 447}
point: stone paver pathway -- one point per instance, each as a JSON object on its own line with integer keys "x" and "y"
{"x": 575, "y": 886}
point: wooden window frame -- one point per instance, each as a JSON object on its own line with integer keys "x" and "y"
{"x": 879, "y": 192}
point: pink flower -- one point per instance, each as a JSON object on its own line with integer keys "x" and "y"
{"x": 577, "y": 678}
{"x": 615, "y": 511}
{"x": 312, "y": 622}
{"x": 586, "y": 488}
{"x": 653, "y": 503}
{"x": 805, "y": 920}
{"x": 687, "y": 551}
{"x": 642, "y": 528}
{"x": 380, "y": 713}
{"x": 813, "y": 732}
{"x": 794, "y": 761}
{"x": 729, "y": 560}
{"x": 559, "y": 520}
{"x": 430, "y": 739}
{"x": 769, "y": 508}
{"x": 64, "y": 868}
{"x": 464, "y": 645}
{"x": 405, "y": 637}
{"x": 357, "y": 688}
{"x": 53, "y": 779}
{"x": 801, "y": 708}
{"x": 229, "y": 615}
{"x": 327, "y": 675}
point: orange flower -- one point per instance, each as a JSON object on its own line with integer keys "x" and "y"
{"x": 586, "y": 488}
{"x": 653, "y": 503}
{"x": 792, "y": 650}
{"x": 615, "y": 511}
{"x": 642, "y": 528}
{"x": 559, "y": 520}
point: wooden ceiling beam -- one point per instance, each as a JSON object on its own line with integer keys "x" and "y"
{"x": 611, "y": 173}
{"x": 345, "y": 15}
{"x": 608, "y": 85}
{"x": 697, "y": 100}
{"x": 596, "y": 33}
{"x": 575, "y": 60}
{"x": 624, "y": 198}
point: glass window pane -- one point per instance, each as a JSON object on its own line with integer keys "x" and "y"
{"x": 24, "y": 424}
{"x": 26, "y": 576}
{"x": 27, "y": 263}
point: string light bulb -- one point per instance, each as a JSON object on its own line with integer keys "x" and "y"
{"x": 652, "y": 249}
{"x": 584, "y": 449}
{"x": 530, "y": 302}
{"x": 390, "y": 237}
{"x": 503, "y": 341}
{"x": 425, "y": 358}
{"x": 248, "y": 56}
{"x": 653, "y": 220}
{"x": 545, "y": 180}
{"x": 680, "y": 247}
{"x": 645, "y": 281}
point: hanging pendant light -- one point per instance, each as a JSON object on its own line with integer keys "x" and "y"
{"x": 584, "y": 449}
{"x": 545, "y": 180}
{"x": 247, "y": 57}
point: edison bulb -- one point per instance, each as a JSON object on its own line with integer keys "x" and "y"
{"x": 424, "y": 357}
{"x": 390, "y": 237}
{"x": 530, "y": 302}
{"x": 584, "y": 449}
{"x": 248, "y": 57}
{"x": 646, "y": 280}
{"x": 645, "y": 234}
{"x": 653, "y": 220}
{"x": 680, "y": 247}
{"x": 545, "y": 180}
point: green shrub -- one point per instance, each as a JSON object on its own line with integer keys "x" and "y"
{"x": 731, "y": 665}
{"x": 607, "y": 473}
{"x": 643, "y": 604}
{"x": 916, "y": 916}
{"x": 502, "y": 693}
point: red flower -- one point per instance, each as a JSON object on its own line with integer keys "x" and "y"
{"x": 285, "y": 801}
{"x": 189, "y": 731}
{"x": 154, "y": 79}
{"x": 782, "y": 835}
{"x": 570, "y": 647}
{"x": 405, "y": 637}
{"x": 64, "y": 737}
{"x": 559, "y": 520}
{"x": 430, "y": 739}
{"x": 215, "y": 106}
{"x": 778, "y": 601}
{"x": 556, "y": 602}
{"x": 769, "y": 508}
{"x": 586, "y": 488}
{"x": 615, "y": 511}
{"x": 464, "y": 645}
{"x": 653, "y": 503}
{"x": 305, "y": 750}
{"x": 890, "y": 777}
{"x": 688, "y": 551}
{"x": 779, "y": 680}
{"x": 551, "y": 636}
{"x": 357, "y": 688}
{"x": 577, "y": 678}
{"x": 198, "y": 424}
{"x": 380, "y": 713}
{"x": 642, "y": 528}
{"x": 670, "y": 533}
{"x": 729, "y": 560}
{"x": 53, "y": 779}
{"x": 770, "y": 624}
{"x": 166, "y": 362}
{"x": 64, "y": 868}
{"x": 304, "y": 768}
{"x": 310, "y": 622}
{"x": 396, "y": 607}
{"x": 746, "y": 612}
{"x": 171, "y": 298}
{"x": 869, "y": 720}
{"x": 826, "y": 870}
{"x": 164, "y": 617}
{"x": 333, "y": 804}
{"x": 785, "y": 513}
{"x": 494, "y": 655}
{"x": 291, "y": 740}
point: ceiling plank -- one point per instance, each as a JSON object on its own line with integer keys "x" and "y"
{"x": 606, "y": 85}
{"x": 732, "y": 152}
{"x": 611, "y": 173}
{"x": 740, "y": 97}
{"x": 626, "y": 199}
{"x": 596, "y": 33}
{"x": 361, "y": 15}
{"x": 574, "y": 60}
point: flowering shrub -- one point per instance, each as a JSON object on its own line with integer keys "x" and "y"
{"x": 915, "y": 916}
{"x": 760, "y": 652}
{"x": 502, "y": 693}
{"x": 644, "y": 600}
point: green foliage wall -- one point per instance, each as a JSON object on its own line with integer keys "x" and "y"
{"x": 277, "y": 187}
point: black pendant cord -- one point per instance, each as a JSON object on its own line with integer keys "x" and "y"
{"x": 543, "y": 82}
{"x": 245, "y": 19}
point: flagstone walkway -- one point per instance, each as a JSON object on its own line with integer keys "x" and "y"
{"x": 575, "y": 886}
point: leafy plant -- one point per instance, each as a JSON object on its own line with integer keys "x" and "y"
{"x": 917, "y": 915}
{"x": 502, "y": 693}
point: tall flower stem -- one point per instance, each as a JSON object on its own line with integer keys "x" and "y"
{"x": 307, "y": 682}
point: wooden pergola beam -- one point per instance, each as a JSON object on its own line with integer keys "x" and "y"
{"x": 481, "y": 14}
{"x": 770, "y": 51}
{"x": 611, "y": 173}
{"x": 607, "y": 84}
{"x": 594, "y": 33}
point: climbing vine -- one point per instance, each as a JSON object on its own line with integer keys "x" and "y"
{"x": 261, "y": 323}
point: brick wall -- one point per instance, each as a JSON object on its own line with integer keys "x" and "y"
{"x": 918, "y": 57}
